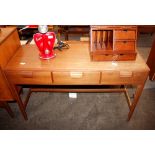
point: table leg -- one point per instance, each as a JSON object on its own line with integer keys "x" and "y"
{"x": 8, "y": 109}
{"x": 135, "y": 100}
{"x": 18, "y": 100}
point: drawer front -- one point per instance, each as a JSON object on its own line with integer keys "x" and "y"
{"x": 123, "y": 77}
{"x": 125, "y": 35}
{"x": 76, "y": 78}
{"x": 112, "y": 57}
{"x": 124, "y": 46}
{"x": 29, "y": 77}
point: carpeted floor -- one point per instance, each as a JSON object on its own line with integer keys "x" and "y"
{"x": 89, "y": 111}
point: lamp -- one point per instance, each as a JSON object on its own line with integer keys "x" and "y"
{"x": 45, "y": 42}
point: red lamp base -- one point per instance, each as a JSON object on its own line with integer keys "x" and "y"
{"x": 46, "y": 57}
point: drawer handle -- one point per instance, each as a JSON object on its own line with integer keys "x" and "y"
{"x": 125, "y": 74}
{"x": 124, "y": 42}
{"x": 125, "y": 30}
{"x": 76, "y": 74}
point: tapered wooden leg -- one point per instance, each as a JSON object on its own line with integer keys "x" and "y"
{"x": 135, "y": 100}
{"x": 27, "y": 98}
{"x": 6, "y": 106}
{"x": 8, "y": 109}
{"x": 18, "y": 100}
{"x": 17, "y": 97}
{"x": 20, "y": 104}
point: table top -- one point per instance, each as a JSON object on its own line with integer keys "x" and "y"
{"x": 76, "y": 58}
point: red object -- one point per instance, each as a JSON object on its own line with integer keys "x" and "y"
{"x": 45, "y": 43}
{"x": 32, "y": 26}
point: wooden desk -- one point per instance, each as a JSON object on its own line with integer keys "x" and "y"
{"x": 74, "y": 67}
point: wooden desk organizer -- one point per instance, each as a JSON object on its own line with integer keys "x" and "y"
{"x": 113, "y": 43}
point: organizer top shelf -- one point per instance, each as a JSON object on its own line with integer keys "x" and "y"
{"x": 113, "y": 27}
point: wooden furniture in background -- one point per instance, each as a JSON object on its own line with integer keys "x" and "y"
{"x": 151, "y": 62}
{"x": 5, "y": 94}
{"x": 27, "y": 34}
{"x": 68, "y": 30}
{"x": 9, "y": 44}
{"x": 146, "y": 29}
{"x": 73, "y": 71}
{"x": 113, "y": 43}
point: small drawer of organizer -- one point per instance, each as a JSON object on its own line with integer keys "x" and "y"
{"x": 76, "y": 77}
{"x": 112, "y": 57}
{"x": 122, "y": 77}
{"x": 124, "y": 45}
{"x": 30, "y": 77}
{"x": 125, "y": 34}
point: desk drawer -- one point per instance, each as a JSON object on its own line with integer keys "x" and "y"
{"x": 29, "y": 77}
{"x": 76, "y": 78}
{"x": 122, "y": 77}
{"x": 125, "y": 35}
{"x": 124, "y": 46}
